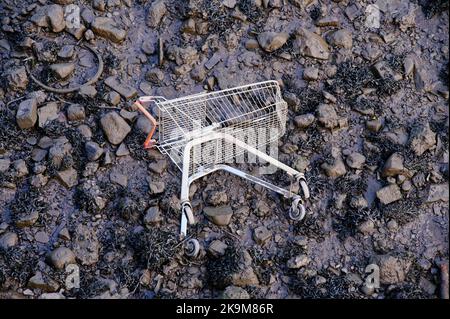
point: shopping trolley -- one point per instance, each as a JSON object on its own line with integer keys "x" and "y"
{"x": 206, "y": 132}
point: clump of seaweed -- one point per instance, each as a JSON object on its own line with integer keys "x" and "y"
{"x": 262, "y": 263}
{"x": 135, "y": 141}
{"x": 219, "y": 17}
{"x": 154, "y": 249}
{"x": 311, "y": 227}
{"x": 432, "y": 7}
{"x": 254, "y": 14}
{"x": 27, "y": 200}
{"x": 131, "y": 205}
{"x": 335, "y": 286}
{"x": 18, "y": 264}
{"x": 219, "y": 270}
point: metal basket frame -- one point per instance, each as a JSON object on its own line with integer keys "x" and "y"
{"x": 217, "y": 121}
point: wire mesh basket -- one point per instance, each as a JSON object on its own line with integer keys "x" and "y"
{"x": 254, "y": 112}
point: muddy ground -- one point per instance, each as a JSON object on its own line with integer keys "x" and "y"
{"x": 367, "y": 124}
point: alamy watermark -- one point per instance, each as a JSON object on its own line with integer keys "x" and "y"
{"x": 373, "y": 276}
{"x": 72, "y": 277}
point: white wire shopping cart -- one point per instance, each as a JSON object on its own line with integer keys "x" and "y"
{"x": 205, "y": 132}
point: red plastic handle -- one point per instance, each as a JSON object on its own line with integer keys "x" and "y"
{"x": 149, "y": 142}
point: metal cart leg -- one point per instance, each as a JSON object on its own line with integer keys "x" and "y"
{"x": 297, "y": 208}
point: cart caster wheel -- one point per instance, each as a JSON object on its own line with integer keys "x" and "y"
{"x": 297, "y": 213}
{"x": 305, "y": 188}
{"x": 192, "y": 248}
{"x": 187, "y": 210}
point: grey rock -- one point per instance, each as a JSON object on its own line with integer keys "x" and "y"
{"x": 157, "y": 187}
{"x": 85, "y": 131}
{"x": 438, "y": 192}
{"x": 20, "y": 168}
{"x": 148, "y": 47}
{"x": 158, "y": 166}
{"x": 115, "y": 127}
{"x": 126, "y": 91}
{"x": 107, "y": 28}
{"x": 75, "y": 112}
{"x": 8, "y": 240}
{"x": 355, "y": 160}
{"x": 118, "y": 178}
{"x": 27, "y": 220}
{"x": 99, "y": 5}
{"x": 68, "y": 177}
{"x": 93, "y": 151}
{"x": 112, "y": 98}
{"x": 217, "y": 248}
{"x": 245, "y": 277}
{"x": 427, "y": 286}
{"x": 217, "y": 198}
{"x": 43, "y": 282}
{"x": 422, "y": 139}
{"x": 389, "y": 194}
{"x": 155, "y": 13}
{"x": 77, "y": 33}
{"x": 143, "y": 124}
{"x": 341, "y": 38}
{"x": 154, "y": 75}
{"x": 271, "y": 41}
{"x": 198, "y": 73}
{"x": 57, "y": 152}
{"x": 374, "y": 125}
{"x": 85, "y": 245}
{"x": 27, "y": 114}
{"x": 261, "y": 235}
{"x": 50, "y": 16}
{"x": 45, "y": 142}
{"x": 188, "y": 26}
{"x": 122, "y": 150}
{"x": 87, "y": 91}
{"x": 367, "y": 227}
{"x": 52, "y": 295}
{"x": 393, "y": 270}
{"x": 216, "y": 58}
{"x": 152, "y": 216}
{"x": 328, "y": 21}
{"x": 312, "y": 45}
{"x": 371, "y": 52}
{"x": 89, "y": 35}
{"x": 298, "y": 262}
{"x": 392, "y": 225}
{"x": 17, "y": 78}
{"x": 66, "y": 51}
{"x": 251, "y": 44}
{"x": 305, "y": 120}
{"x": 47, "y": 113}
{"x": 220, "y": 215}
{"x": 422, "y": 78}
{"x": 358, "y": 202}
{"x": 327, "y": 116}
{"x": 61, "y": 257}
{"x": 311, "y": 74}
{"x": 335, "y": 169}
{"x": 394, "y": 165}
{"x": 4, "y": 164}
{"x": 55, "y": 14}
{"x": 62, "y": 70}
